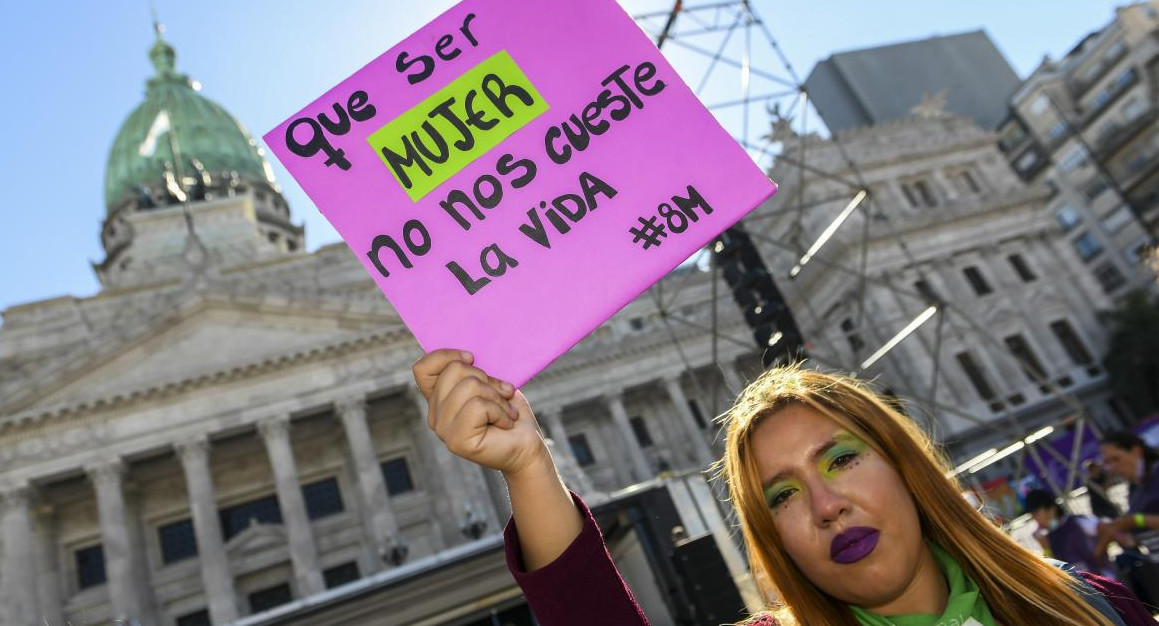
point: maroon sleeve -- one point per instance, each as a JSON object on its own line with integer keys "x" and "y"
{"x": 1128, "y": 606}
{"x": 579, "y": 588}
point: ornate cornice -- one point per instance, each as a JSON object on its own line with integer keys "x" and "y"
{"x": 176, "y": 387}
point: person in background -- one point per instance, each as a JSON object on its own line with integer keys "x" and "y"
{"x": 1127, "y": 456}
{"x": 1097, "y": 482}
{"x": 1070, "y": 538}
{"x": 845, "y": 504}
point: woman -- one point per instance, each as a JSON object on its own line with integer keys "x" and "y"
{"x": 844, "y": 505}
{"x": 1129, "y": 457}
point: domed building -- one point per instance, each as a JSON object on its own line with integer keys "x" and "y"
{"x": 176, "y": 148}
{"x": 227, "y": 434}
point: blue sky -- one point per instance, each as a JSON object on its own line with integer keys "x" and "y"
{"x": 72, "y": 71}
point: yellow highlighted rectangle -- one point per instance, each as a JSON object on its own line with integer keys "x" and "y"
{"x": 444, "y": 133}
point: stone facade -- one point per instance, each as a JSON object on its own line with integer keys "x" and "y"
{"x": 139, "y": 416}
{"x": 1088, "y": 125}
{"x": 948, "y": 222}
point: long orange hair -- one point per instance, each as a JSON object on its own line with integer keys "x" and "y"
{"x": 1019, "y": 587}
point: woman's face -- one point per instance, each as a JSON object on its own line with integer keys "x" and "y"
{"x": 843, "y": 513}
{"x": 1120, "y": 462}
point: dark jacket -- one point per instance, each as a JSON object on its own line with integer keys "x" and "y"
{"x": 583, "y": 588}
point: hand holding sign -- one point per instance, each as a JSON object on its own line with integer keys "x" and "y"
{"x": 479, "y": 418}
{"x": 515, "y": 172}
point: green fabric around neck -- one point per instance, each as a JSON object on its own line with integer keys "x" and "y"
{"x": 964, "y": 601}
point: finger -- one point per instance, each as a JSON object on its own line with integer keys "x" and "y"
{"x": 477, "y": 415}
{"x": 452, "y": 374}
{"x": 466, "y": 390}
{"x": 504, "y": 387}
{"x": 430, "y": 366}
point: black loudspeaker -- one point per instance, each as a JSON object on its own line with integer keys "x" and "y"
{"x": 762, "y": 304}
{"x": 707, "y": 583}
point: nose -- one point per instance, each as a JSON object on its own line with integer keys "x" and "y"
{"x": 828, "y": 504}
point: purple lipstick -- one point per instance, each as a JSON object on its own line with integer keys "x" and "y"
{"x": 853, "y": 544}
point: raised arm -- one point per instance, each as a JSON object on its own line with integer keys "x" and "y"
{"x": 488, "y": 422}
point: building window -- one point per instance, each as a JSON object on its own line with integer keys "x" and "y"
{"x": 238, "y": 517}
{"x": 1133, "y": 109}
{"x": 396, "y": 472}
{"x": 919, "y": 194}
{"x": 1073, "y": 160}
{"x": 697, "y": 414}
{"x": 177, "y": 541}
{"x": 968, "y": 183}
{"x": 267, "y": 599}
{"x": 1026, "y": 161}
{"x": 1068, "y": 217}
{"x": 1101, "y": 99}
{"x": 1039, "y": 105}
{"x": 977, "y": 281}
{"x": 976, "y": 376}
{"x": 90, "y": 567}
{"x": 200, "y": 618}
{"x": 1109, "y": 276}
{"x": 322, "y": 498}
{"x": 640, "y": 429}
{"x": 1026, "y": 358}
{"x": 581, "y": 450}
{"x": 1021, "y": 268}
{"x": 1124, "y": 79}
{"x": 341, "y": 574}
{"x": 1087, "y": 246}
{"x": 851, "y": 335}
{"x": 1118, "y": 218}
{"x": 927, "y": 292}
{"x": 1071, "y": 343}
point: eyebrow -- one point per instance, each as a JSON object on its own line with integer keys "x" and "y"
{"x": 822, "y": 449}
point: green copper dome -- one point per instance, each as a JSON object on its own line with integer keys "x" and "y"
{"x": 208, "y": 139}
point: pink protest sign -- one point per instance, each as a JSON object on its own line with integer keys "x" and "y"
{"x": 516, "y": 172}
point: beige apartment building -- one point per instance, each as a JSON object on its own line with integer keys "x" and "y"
{"x": 1088, "y": 126}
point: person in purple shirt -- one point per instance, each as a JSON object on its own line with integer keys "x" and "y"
{"x": 845, "y": 505}
{"x": 1127, "y": 456}
{"x": 1071, "y": 538}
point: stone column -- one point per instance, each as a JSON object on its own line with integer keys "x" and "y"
{"x": 48, "y": 588}
{"x": 554, "y": 417}
{"x": 123, "y": 594}
{"x": 384, "y": 530}
{"x": 18, "y": 569}
{"x": 569, "y": 468}
{"x": 464, "y": 482}
{"x": 615, "y": 402}
{"x": 700, "y": 450}
{"x": 214, "y": 562}
{"x": 303, "y": 554}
